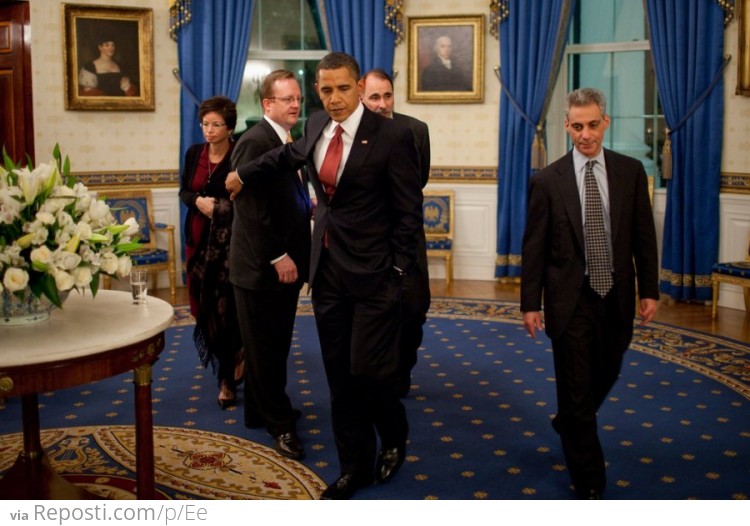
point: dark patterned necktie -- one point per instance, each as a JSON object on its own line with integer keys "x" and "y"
{"x": 330, "y": 167}
{"x": 597, "y": 245}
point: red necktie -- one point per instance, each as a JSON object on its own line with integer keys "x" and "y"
{"x": 330, "y": 167}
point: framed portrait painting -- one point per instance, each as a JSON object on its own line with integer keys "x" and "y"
{"x": 109, "y": 59}
{"x": 446, "y": 59}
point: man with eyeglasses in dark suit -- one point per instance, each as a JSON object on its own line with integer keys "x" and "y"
{"x": 269, "y": 262}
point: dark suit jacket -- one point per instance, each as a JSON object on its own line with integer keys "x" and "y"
{"x": 436, "y": 77}
{"x": 421, "y": 141}
{"x": 375, "y": 216}
{"x": 553, "y": 256}
{"x": 271, "y": 217}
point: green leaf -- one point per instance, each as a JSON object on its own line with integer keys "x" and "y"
{"x": 49, "y": 288}
{"x": 124, "y": 248}
{"x": 9, "y": 164}
{"x": 94, "y": 284}
{"x": 39, "y": 266}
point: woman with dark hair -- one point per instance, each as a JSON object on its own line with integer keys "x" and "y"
{"x": 103, "y": 75}
{"x": 207, "y": 236}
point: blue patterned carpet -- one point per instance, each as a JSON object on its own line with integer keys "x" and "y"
{"x": 676, "y": 426}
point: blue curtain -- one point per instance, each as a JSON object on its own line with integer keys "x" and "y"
{"x": 687, "y": 41}
{"x": 358, "y": 28}
{"x": 532, "y": 38}
{"x": 212, "y": 51}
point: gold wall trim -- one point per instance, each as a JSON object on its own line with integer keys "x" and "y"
{"x": 735, "y": 183}
{"x": 463, "y": 174}
{"x": 731, "y": 183}
{"x": 146, "y": 178}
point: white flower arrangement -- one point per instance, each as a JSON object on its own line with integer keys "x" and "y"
{"x": 54, "y": 235}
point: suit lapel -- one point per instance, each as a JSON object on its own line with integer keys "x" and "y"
{"x": 616, "y": 191}
{"x": 363, "y": 141}
{"x": 275, "y": 140}
{"x": 570, "y": 197}
{"x": 316, "y": 123}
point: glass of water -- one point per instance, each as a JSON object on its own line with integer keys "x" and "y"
{"x": 139, "y": 285}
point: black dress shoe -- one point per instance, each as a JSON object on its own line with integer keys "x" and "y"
{"x": 389, "y": 460}
{"x": 345, "y": 487}
{"x": 289, "y": 445}
{"x": 556, "y": 425}
{"x": 591, "y": 494}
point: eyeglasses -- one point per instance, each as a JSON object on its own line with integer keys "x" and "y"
{"x": 215, "y": 125}
{"x": 288, "y": 100}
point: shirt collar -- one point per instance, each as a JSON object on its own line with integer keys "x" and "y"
{"x": 350, "y": 125}
{"x": 580, "y": 160}
{"x": 277, "y": 128}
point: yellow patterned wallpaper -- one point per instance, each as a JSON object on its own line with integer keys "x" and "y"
{"x": 736, "y": 158}
{"x": 133, "y": 142}
{"x": 103, "y": 140}
{"x": 460, "y": 134}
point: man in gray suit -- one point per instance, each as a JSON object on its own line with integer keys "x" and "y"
{"x": 589, "y": 235}
{"x": 268, "y": 260}
{"x": 377, "y": 95}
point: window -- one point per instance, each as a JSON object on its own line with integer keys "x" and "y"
{"x": 608, "y": 48}
{"x": 285, "y": 34}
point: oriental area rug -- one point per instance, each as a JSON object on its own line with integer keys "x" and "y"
{"x": 676, "y": 425}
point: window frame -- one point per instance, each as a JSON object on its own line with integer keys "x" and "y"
{"x": 558, "y": 143}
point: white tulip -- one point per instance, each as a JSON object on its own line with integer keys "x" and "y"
{"x": 63, "y": 280}
{"x": 109, "y": 263}
{"x": 133, "y": 226}
{"x": 42, "y": 254}
{"x": 82, "y": 276}
{"x": 124, "y": 266}
{"x": 83, "y": 230}
{"x": 98, "y": 211}
{"x": 66, "y": 260}
{"x": 15, "y": 279}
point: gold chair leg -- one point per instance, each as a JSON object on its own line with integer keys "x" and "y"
{"x": 154, "y": 281}
{"x": 172, "y": 285}
{"x": 715, "y": 298}
{"x": 746, "y": 291}
{"x": 448, "y": 269}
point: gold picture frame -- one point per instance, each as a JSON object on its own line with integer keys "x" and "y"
{"x": 457, "y": 77}
{"x": 108, "y": 57}
{"x": 743, "y": 69}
